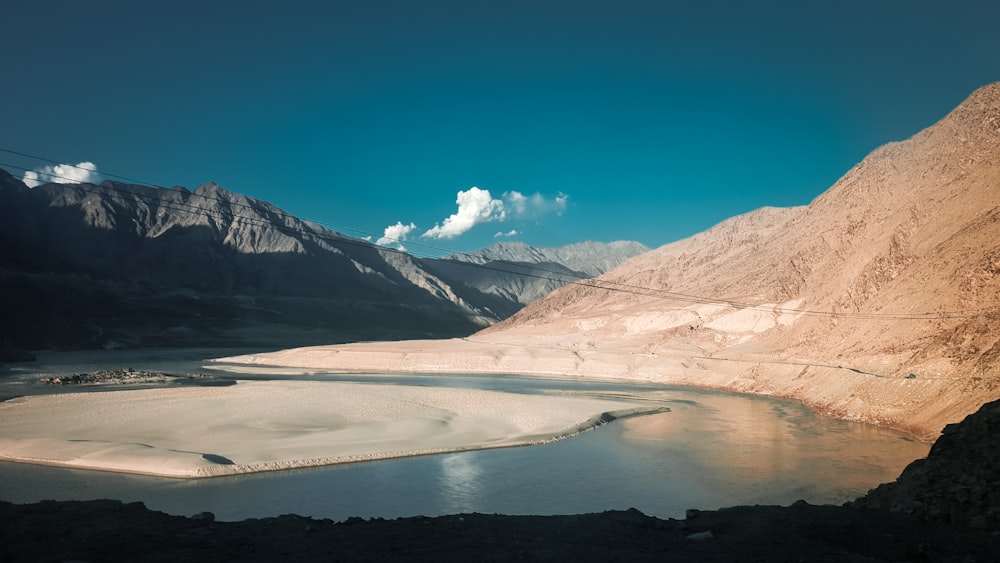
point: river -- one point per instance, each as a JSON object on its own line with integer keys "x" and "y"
{"x": 712, "y": 449}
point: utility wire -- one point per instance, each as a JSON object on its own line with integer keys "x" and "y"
{"x": 329, "y": 233}
{"x": 42, "y": 158}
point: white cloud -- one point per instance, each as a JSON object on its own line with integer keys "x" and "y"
{"x": 475, "y": 206}
{"x": 394, "y": 235}
{"x": 521, "y": 206}
{"x": 82, "y": 173}
{"x": 510, "y": 233}
{"x": 560, "y": 203}
{"x": 516, "y": 202}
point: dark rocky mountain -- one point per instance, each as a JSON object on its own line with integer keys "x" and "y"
{"x": 120, "y": 265}
{"x": 116, "y": 264}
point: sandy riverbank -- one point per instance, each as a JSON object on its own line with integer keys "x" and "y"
{"x": 270, "y": 425}
{"x": 920, "y": 406}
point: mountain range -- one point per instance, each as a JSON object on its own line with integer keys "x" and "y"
{"x": 520, "y": 274}
{"x": 117, "y": 264}
{"x": 878, "y": 301}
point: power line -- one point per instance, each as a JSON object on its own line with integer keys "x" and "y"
{"x": 56, "y": 162}
{"x": 332, "y": 235}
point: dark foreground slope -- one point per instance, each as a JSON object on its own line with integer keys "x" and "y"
{"x": 958, "y": 482}
{"x": 112, "y": 531}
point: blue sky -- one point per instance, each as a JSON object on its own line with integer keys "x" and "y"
{"x": 610, "y": 120}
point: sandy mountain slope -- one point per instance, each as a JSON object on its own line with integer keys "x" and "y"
{"x": 894, "y": 272}
{"x": 879, "y": 301}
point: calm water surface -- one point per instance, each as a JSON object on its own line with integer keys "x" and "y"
{"x": 712, "y": 449}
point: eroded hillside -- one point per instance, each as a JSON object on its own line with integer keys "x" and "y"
{"x": 892, "y": 274}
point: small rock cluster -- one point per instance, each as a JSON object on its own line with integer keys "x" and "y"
{"x": 126, "y": 375}
{"x": 959, "y": 480}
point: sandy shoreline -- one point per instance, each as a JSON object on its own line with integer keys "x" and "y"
{"x": 259, "y": 426}
{"x": 920, "y": 407}
{"x": 272, "y": 425}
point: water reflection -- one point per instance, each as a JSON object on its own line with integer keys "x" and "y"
{"x": 766, "y": 448}
{"x": 459, "y": 483}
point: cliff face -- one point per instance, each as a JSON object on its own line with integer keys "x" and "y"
{"x": 893, "y": 273}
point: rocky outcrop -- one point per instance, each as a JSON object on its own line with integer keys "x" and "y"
{"x": 959, "y": 480}
{"x": 129, "y": 376}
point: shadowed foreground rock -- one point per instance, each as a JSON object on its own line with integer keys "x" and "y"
{"x": 942, "y": 509}
{"x": 958, "y": 482}
{"x": 112, "y": 531}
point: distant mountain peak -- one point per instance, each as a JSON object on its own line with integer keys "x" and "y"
{"x": 588, "y": 257}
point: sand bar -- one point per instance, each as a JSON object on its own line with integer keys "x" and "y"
{"x": 920, "y": 407}
{"x": 272, "y": 425}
